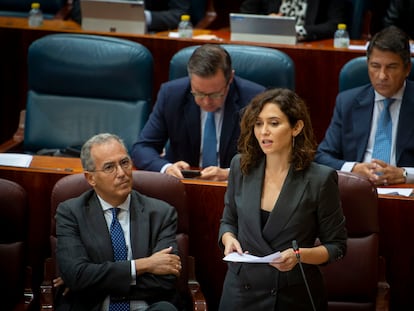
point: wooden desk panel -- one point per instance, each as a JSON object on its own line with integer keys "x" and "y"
{"x": 206, "y": 202}
{"x": 396, "y": 221}
{"x": 317, "y": 67}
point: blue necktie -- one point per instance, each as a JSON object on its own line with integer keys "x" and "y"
{"x": 383, "y": 136}
{"x": 210, "y": 141}
{"x": 120, "y": 253}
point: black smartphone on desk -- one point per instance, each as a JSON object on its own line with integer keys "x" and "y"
{"x": 191, "y": 173}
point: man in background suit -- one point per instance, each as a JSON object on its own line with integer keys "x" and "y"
{"x": 160, "y": 15}
{"x": 96, "y": 280}
{"x": 349, "y": 142}
{"x": 181, "y": 109}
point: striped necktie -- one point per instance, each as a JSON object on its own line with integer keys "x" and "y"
{"x": 120, "y": 253}
{"x": 383, "y": 136}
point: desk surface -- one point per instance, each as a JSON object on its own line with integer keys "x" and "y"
{"x": 206, "y": 202}
{"x": 317, "y": 65}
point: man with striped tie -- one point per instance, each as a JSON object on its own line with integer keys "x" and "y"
{"x": 116, "y": 248}
{"x": 372, "y": 128}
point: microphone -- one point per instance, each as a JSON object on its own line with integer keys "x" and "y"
{"x": 297, "y": 253}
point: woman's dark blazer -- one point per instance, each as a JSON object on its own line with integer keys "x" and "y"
{"x": 308, "y": 207}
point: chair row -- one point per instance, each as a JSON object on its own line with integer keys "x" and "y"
{"x": 80, "y": 85}
{"x": 355, "y": 283}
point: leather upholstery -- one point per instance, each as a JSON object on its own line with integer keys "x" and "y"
{"x": 153, "y": 184}
{"x": 13, "y": 235}
{"x": 352, "y": 282}
{"x": 81, "y": 85}
{"x": 355, "y": 73}
{"x": 265, "y": 66}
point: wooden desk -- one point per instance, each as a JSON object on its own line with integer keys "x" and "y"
{"x": 206, "y": 202}
{"x": 317, "y": 67}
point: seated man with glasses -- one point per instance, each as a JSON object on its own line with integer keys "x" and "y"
{"x": 100, "y": 249}
{"x": 195, "y": 121}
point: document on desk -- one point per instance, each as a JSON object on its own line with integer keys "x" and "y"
{"x": 236, "y": 257}
{"x": 406, "y": 192}
{"x": 15, "y": 159}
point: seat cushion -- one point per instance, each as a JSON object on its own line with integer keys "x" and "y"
{"x": 11, "y": 271}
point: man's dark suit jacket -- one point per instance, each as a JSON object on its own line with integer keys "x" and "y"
{"x": 322, "y": 16}
{"x": 400, "y": 13}
{"x": 85, "y": 257}
{"x": 347, "y": 136}
{"x": 308, "y": 207}
{"x": 176, "y": 118}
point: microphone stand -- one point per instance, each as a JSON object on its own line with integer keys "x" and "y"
{"x": 297, "y": 253}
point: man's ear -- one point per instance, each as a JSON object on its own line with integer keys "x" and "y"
{"x": 90, "y": 178}
{"x": 231, "y": 76}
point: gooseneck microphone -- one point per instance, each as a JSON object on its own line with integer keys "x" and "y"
{"x": 297, "y": 253}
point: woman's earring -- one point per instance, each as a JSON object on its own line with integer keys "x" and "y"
{"x": 293, "y": 142}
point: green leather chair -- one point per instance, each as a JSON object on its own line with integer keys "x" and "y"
{"x": 265, "y": 66}
{"x": 81, "y": 85}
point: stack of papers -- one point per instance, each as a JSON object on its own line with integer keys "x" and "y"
{"x": 396, "y": 191}
{"x": 15, "y": 159}
{"x": 236, "y": 257}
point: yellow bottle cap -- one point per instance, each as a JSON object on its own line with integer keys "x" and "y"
{"x": 342, "y": 26}
{"x": 185, "y": 17}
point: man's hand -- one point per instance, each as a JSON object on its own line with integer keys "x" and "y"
{"x": 175, "y": 169}
{"x": 380, "y": 173}
{"x": 215, "y": 173}
{"x": 389, "y": 174}
{"x": 160, "y": 263}
{"x": 58, "y": 282}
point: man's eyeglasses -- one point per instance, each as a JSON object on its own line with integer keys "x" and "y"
{"x": 210, "y": 96}
{"x": 213, "y": 96}
{"x": 112, "y": 167}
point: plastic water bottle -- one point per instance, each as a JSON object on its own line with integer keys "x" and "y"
{"x": 185, "y": 28}
{"x": 35, "y": 15}
{"x": 341, "y": 37}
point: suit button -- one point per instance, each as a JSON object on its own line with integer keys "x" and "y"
{"x": 273, "y": 292}
{"x": 247, "y": 286}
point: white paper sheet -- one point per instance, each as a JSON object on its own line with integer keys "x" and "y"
{"x": 15, "y": 159}
{"x": 236, "y": 257}
{"x": 396, "y": 191}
